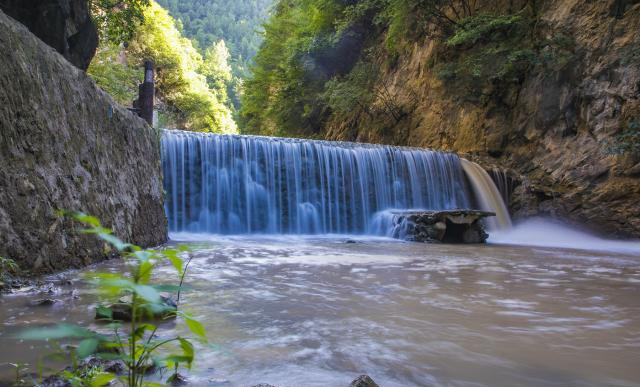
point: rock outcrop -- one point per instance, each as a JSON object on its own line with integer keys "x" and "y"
{"x": 65, "y": 25}
{"x": 65, "y": 144}
{"x": 550, "y": 132}
{"x": 455, "y": 226}
{"x": 363, "y": 381}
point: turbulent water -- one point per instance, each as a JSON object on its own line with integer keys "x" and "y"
{"x": 247, "y": 184}
{"x": 317, "y": 312}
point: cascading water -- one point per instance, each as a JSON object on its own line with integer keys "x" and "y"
{"x": 487, "y": 195}
{"x": 249, "y": 184}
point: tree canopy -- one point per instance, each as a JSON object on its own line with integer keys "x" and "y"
{"x": 237, "y": 22}
{"x": 321, "y": 60}
{"x": 191, "y": 87}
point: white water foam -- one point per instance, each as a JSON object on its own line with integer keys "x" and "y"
{"x": 551, "y": 233}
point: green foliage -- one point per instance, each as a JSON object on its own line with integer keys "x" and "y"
{"x": 307, "y": 42}
{"x": 483, "y": 27}
{"x": 8, "y": 268}
{"x": 626, "y": 142}
{"x": 485, "y": 54}
{"x": 140, "y": 346}
{"x": 304, "y": 77}
{"x": 91, "y": 376}
{"x": 188, "y": 99}
{"x": 344, "y": 95}
{"x": 237, "y": 22}
{"x": 117, "y": 20}
{"x": 113, "y": 72}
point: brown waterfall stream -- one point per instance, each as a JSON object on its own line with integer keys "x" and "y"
{"x": 316, "y": 312}
{"x": 487, "y": 194}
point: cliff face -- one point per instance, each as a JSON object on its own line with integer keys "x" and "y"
{"x": 65, "y": 144}
{"x": 550, "y": 131}
{"x": 64, "y": 25}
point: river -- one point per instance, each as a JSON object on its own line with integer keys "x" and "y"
{"x": 318, "y": 311}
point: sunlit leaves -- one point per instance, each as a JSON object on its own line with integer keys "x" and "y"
{"x": 101, "y": 379}
{"x": 138, "y": 300}
{"x": 117, "y": 19}
{"x": 87, "y": 347}
{"x": 194, "y": 326}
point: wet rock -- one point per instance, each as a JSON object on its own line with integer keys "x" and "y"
{"x": 65, "y": 25}
{"x": 457, "y": 226}
{"x": 363, "y": 381}
{"x": 44, "y": 302}
{"x": 121, "y": 310}
{"x": 59, "y": 380}
{"x": 177, "y": 380}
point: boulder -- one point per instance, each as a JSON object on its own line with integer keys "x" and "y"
{"x": 363, "y": 381}
{"x": 452, "y": 226}
{"x": 121, "y": 310}
{"x": 65, "y": 25}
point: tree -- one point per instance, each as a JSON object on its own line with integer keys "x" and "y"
{"x": 216, "y": 68}
{"x": 189, "y": 101}
{"x": 117, "y": 20}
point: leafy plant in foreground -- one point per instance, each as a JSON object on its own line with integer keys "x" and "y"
{"x": 136, "y": 343}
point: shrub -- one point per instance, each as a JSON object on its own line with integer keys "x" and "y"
{"x": 138, "y": 348}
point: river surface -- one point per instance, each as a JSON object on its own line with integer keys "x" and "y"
{"x": 319, "y": 311}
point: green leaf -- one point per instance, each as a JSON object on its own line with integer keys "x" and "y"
{"x": 87, "y": 347}
{"x": 86, "y": 219}
{"x": 104, "y": 313}
{"x": 175, "y": 260}
{"x": 148, "y": 293}
{"x": 115, "y": 241}
{"x": 142, "y": 328}
{"x": 194, "y": 326}
{"x": 102, "y": 379}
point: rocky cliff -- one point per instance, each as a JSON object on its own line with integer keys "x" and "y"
{"x": 65, "y": 144}
{"x": 65, "y": 25}
{"x": 550, "y": 130}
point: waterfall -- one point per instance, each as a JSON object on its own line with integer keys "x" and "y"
{"x": 487, "y": 195}
{"x": 234, "y": 184}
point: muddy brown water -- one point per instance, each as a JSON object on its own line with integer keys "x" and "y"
{"x": 317, "y": 312}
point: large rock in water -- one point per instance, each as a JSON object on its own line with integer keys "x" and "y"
{"x": 65, "y": 144}
{"x": 452, "y": 226}
{"x": 65, "y": 25}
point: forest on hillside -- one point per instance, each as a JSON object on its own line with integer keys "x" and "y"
{"x": 238, "y": 23}
{"x": 202, "y": 49}
{"x": 321, "y": 59}
{"x": 192, "y": 86}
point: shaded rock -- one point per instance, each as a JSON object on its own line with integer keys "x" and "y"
{"x": 65, "y": 144}
{"x": 121, "y": 310}
{"x": 65, "y": 25}
{"x": 177, "y": 380}
{"x": 58, "y": 380}
{"x": 363, "y": 381}
{"x": 44, "y": 302}
{"x": 454, "y": 226}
